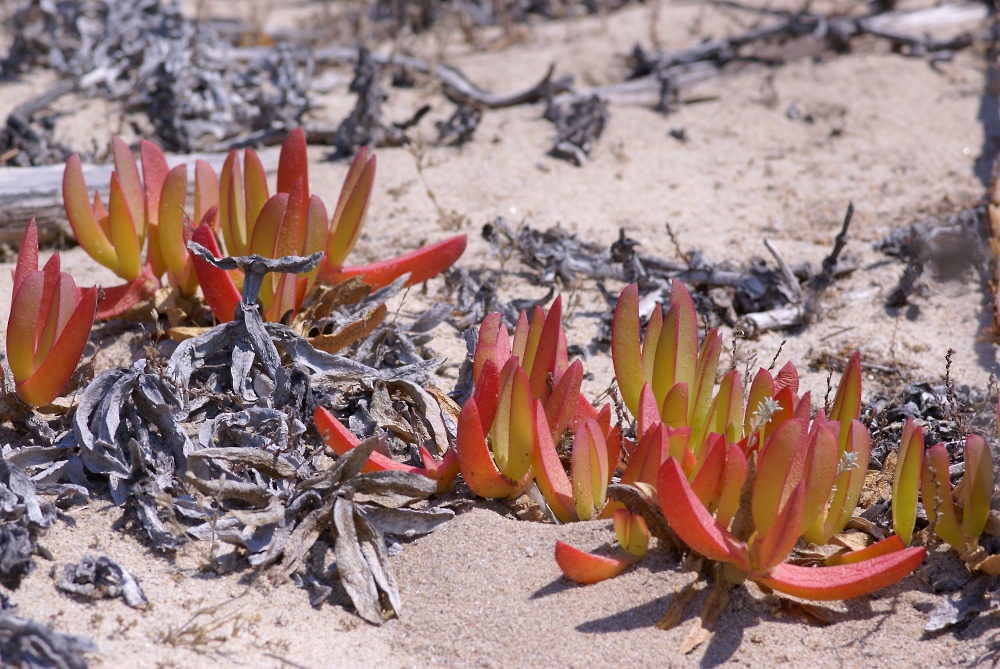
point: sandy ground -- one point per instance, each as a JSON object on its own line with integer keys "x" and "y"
{"x": 901, "y": 139}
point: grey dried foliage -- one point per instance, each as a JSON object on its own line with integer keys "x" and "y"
{"x": 23, "y": 518}
{"x": 102, "y": 578}
{"x": 175, "y": 70}
{"x": 558, "y": 259}
{"x": 31, "y": 645}
{"x": 364, "y": 125}
{"x": 579, "y": 124}
{"x": 216, "y": 446}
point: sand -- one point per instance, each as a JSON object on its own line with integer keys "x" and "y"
{"x": 899, "y": 138}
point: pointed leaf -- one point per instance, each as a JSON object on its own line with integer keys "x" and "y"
{"x": 548, "y": 471}
{"x": 693, "y": 523}
{"x": 86, "y": 228}
{"x": 677, "y": 348}
{"x": 844, "y": 581}
{"x": 352, "y": 207}
{"x": 293, "y": 163}
{"x": 422, "y": 264}
{"x": 772, "y": 547}
{"x": 219, "y": 289}
{"x": 906, "y": 481}
{"x": 124, "y": 234}
{"x": 544, "y": 363}
{"x": 977, "y": 489}
{"x": 587, "y": 568}
{"x": 625, "y": 347}
{"x": 632, "y": 532}
{"x": 779, "y": 471}
{"x": 27, "y": 255}
{"x": 475, "y": 460}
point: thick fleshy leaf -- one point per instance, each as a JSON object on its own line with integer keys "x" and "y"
{"x": 232, "y": 205}
{"x": 888, "y": 545}
{"x": 820, "y": 472}
{"x": 650, "y": 341}
{"x": 171, "y": 234}
{"x": 475, "y": 460}
{"x": 531, "y": 342}
{"x": 625, "y": 353}
{"x": 847, "y": 401}
{"x": 127, "y": 173}
{"x": 334, "y": 433}
{"x": 22, "y": 326}
{"x": 349, "y": 216}
{"x": 733, "y": 477}
{"x": 255, "y": 191}
{"x": 843, "y": 581}
{"x": 487, "y": 395}
{"x": 124, "y": 233}
{"x": 206, "y": 192}
{"x": 787, "y": 377}
{"x": 761, "y": 389}
{"x": 219, "y": 289}
{"x": 421, "y": 264}
{"x": 648, "y": 413}
{"x": 772, "y": 547}
{"x": 677, "y": 348}
{"x": 936, "y": 493}
{"x": 513, "y": 428}
{"x": 589, "y": 470}
{"x": 562, "y": 403}
{"x": 86, "y": 229}
{"x": 55, "y": 371}
{"x": 520, "y": 341}
{"x": 707, "y": 480}
{"x": 674, "y": 411}
{"x": 544, "y": 362}
{"x": 726, "y": 413}
{"x": 548, "y": 472}
{"x": 849, "y": 484}
{"x": 906, "y": 480}
{"x": 586, "y": 568}
{"x": 48, "y": 318}
{"x": 779, "y": 470}
{"x": 650, "y": 452}
{"x": 63, "y": 300}
{"x": 693, "y": 523}
{"x": 493, "y": 344}
{"x": 119, "y": 299}
{"x": 704, "y": 383}
{"x": 27, "y": 255}
{"x": 632, "y": 532}
{"x": 977, "y": 488}
{"x": 293, "y": 163}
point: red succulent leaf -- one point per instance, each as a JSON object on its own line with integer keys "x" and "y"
{"x": 218, "y": 287}
{"x": 888, "y": 545}
{"x": 561, "y": 406}
{"x": 587, "y": 568}
{"x": 548, "y": 472}
{"x": 493, "y": 344}
{"x": 476, "y": 462}
{"x": 692, "y": 522}
{"x": 119, "y": 299}
{"x": 906, "y": 480}
{"x": 546, "y": 351}
{"x": 773, "y": 547}
{"x": 421, "y": 264}
{"x": 625, "y": 351}
{"x": 487, "y": 394}
{"x": 293, "y": 163}
{"x": 843, "y": 581}
{"x": 677, "y": 348}
{"x": 707, "y": 480}
{"x": 847, "y": 402}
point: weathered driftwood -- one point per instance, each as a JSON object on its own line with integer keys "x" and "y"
{"x": 27, "y": 192}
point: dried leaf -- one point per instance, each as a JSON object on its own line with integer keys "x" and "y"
{"x": 355, "y": 574}
{"x": 102, "y": 578}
